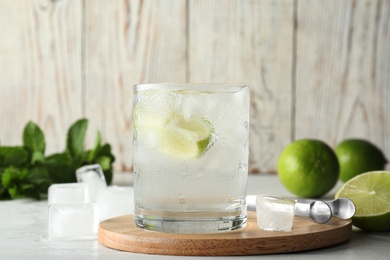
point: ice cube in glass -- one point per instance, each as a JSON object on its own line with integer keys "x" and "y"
{"x": 115, "y": 201}
{"x": 275, "y": 213}
{"x": 93, "y": 177}
{"x": 67, "y": 193}
{"x": 73, "y": 220}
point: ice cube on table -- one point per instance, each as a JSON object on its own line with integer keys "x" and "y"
{"x": 67, "y": 193}
{"x": 73, "y": 220}
{"x": 115, "y": 201}
{"x": 93, "y": 177}
{"x": 275, "y": 213}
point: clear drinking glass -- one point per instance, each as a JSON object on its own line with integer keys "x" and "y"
{"x": 190, "y": 157}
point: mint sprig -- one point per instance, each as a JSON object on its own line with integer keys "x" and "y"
{"x": 25, "y": 171}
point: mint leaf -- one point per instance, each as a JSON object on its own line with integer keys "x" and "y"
{"x": 60, "y": 168}
{"x": 13, "y": 155}
{"x": 104, "y": 161}
{"x": 105, "y": 158}
{"x": 39, "y": 177}
{"x": 13, "y": 179}
{"x": 33, "y": 138}
{"x": 12, "y": 175}
{"x": 26, "y": 172}
{"x": 37, "y": 157}
{"x": 22, "y": 190}
{"x": 75, "y": 138}
{"x": 95, "y": 150}
{"x": 108, "y": 175}
{"x": 106, "y": 150}
{"x": 4, "y": 193}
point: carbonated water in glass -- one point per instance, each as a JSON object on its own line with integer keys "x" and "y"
{"x": 190, "y": 156}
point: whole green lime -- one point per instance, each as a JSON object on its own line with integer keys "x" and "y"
{"x": 308, "y": 168}
{"x": 357, "y": 156}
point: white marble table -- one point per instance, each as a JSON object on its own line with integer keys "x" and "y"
{"x": 23, "y": 234}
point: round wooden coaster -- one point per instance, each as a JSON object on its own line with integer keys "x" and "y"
{"x": 122, "y": 234}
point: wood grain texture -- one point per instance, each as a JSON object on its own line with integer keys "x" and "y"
{"x": 318, "y": 69}
{"x": 342, "y": 71}
{"x": 129, "y": 42}
{"x": 40, "y": 54}
{"x": 248, "y": 42}
{"x": 122, "y": 234}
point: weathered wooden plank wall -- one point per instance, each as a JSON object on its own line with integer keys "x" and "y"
{"x": 343, "y": 72}
{"x": 317, "y": 69}
{"x": 40, "y": 68}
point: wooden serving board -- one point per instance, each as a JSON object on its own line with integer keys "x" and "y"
{"x": 122, "y": 234}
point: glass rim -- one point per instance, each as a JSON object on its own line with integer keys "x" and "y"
{"x": 212, "y": 87}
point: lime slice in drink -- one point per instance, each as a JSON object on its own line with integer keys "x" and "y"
{"x": 180, "y": 137}
{"x": 186, "y": 138}
{"x": 371, "y": 194}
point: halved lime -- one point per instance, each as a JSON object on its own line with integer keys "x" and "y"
{"x": 370, "y": 192}
{"x": 186, "y": 138}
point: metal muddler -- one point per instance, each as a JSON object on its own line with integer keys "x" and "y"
{"x": 342, "y": 208}
{"x": 318, "y": 210}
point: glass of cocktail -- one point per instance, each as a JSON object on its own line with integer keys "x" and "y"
{"x": 190, "y": 157}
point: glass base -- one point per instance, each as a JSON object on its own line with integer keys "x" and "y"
{"x": 190, "y": 226}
